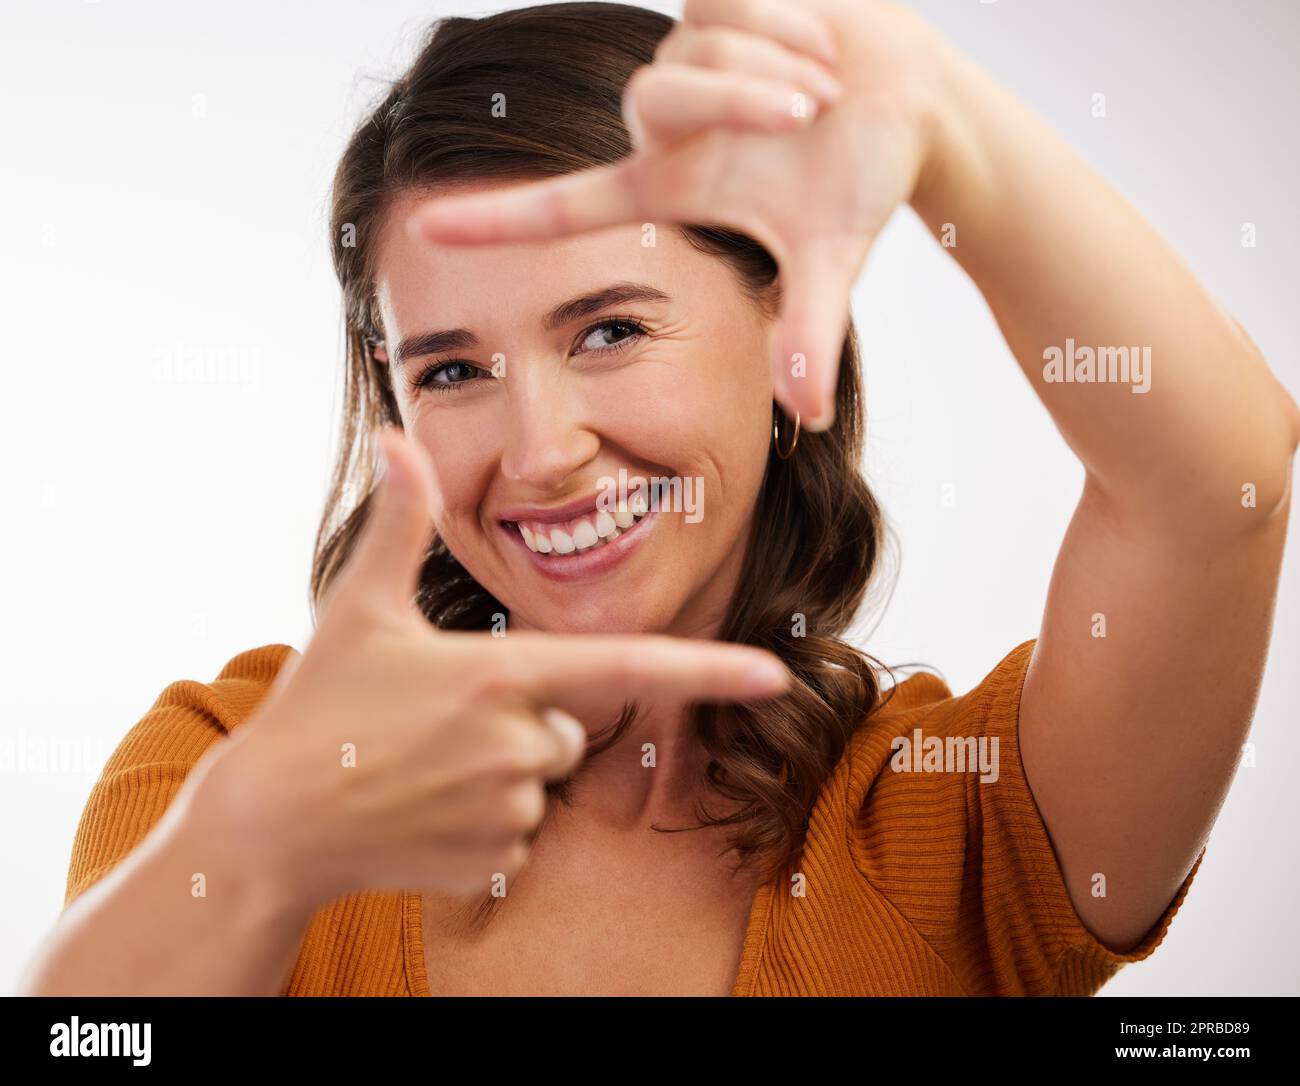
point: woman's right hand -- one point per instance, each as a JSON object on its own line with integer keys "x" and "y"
{"x": 732, "y": 123}
{"x": 394, "y": 755}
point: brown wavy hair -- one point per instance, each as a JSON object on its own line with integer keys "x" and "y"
{"x": 562, "y": 68}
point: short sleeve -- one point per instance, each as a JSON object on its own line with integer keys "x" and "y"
{"x": 152, "y": 762}
{"x": 1035, "y": 941}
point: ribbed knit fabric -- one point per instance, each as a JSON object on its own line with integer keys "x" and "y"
{"x": 913, "y": 883}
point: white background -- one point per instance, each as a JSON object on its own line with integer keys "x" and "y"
{"x": 164, "y": 184}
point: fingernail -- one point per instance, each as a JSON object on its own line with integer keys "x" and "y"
{"x": 821, "y": 423}
{"x": 768, "y": 676}
{"x": 560, "y": 721}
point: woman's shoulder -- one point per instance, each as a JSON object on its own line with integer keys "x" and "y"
{"x": 152, "y": 761}
{"x": 225, "y": 701}
{"x": 927, "y": 694}
{"x": 920, "y": 713}
{"x": 257, "y": 664}
{"x": 245, "y": 679}
{"x": 189, "y": 715}
{"x": 906, "y": 777}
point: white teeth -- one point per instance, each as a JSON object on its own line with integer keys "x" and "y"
{"x": 584, "y": 535}
{"x": 562, "y": 541}
{"x": 588, "y": 532}
{"x": 638, "y": 505}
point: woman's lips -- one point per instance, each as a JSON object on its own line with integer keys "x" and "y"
{"x": 589, "y": 562}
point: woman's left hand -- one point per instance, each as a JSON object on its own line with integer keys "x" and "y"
{"x": 737, "y": 122}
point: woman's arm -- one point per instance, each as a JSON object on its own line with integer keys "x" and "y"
{"x": 139, "y": 930}
{"x": 1157, "y": 623}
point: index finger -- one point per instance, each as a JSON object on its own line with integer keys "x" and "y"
{"x": 571, "y": 203}
{"x": 564, "y": 669}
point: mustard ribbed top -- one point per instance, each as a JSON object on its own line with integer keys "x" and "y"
{"x": 912, "y": 883}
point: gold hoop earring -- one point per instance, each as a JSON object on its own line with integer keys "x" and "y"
{"x": 776, "y": 437}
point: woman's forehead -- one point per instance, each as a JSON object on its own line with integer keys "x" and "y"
{"x": 416, "y": 280}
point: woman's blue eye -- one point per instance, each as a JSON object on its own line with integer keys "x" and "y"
{"x": 445, "y": 376}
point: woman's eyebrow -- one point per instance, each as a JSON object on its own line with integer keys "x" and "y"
{"x": 614, "y": 294}
{"x": 426, "y": 343}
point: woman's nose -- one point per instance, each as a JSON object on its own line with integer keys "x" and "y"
{"x": 546, "y": 437}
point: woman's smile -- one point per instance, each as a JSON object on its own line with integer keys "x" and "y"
{"x": 567, "y": 547}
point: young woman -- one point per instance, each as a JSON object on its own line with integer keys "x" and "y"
{"x": 554, "y": 734}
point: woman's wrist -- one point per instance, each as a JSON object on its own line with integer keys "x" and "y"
{"x": 954, "y": 172}
{"x": 227, "y": 816}
{"x": 905, "y": 78}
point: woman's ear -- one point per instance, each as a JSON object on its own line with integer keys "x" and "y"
{"x": 380, "y": 354}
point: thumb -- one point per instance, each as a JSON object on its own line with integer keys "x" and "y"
{"x": 817, "y": 284}
{"x": 385, "y": 565}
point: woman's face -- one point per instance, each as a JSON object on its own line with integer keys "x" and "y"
{"x": 544, "y": 392}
